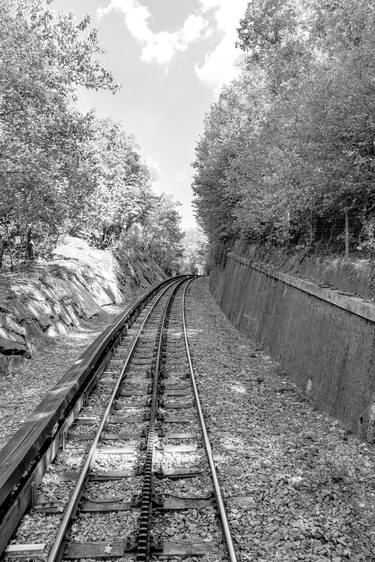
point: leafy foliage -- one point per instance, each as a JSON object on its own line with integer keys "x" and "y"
{"x": 287, "y": 153}
{"x": 62, "y": 170}
{"x": 195, "y": 251}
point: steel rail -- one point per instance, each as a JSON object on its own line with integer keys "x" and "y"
{"x": 217, "y": 490}
{"x": 14, "y": 468}
{"x": 56, "y": 553}
{"x": 143, "y": 550}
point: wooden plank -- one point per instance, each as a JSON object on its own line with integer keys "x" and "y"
{"x": 100, "y": 476}
{"x": 179, "y": 473}
{"x": 172, "y": 503}
{"x": 126, "y": 419}
{"x": 103, "y": 507}
{"x": 142, "y": 362}
{"x": 129, "y": 450}
{"x": 173, "y": 435}
{"x": 118, "y": 549}
{"x": 184, "y": 448}
{"x": 87, "y": 420}
{"x": 176, "y": 419}
{"x": 132, "y": 393}
{"x": 84, "y": 436}
{"x": 103, "y": 476}
{"x": 68, "y": 476}
{"x": 186, "y": 548}
{"x": 127, "y": 408}
{"x": 122, "y": 436}
{"x": 101, "y": 550}
{"x": 178, "y": 405}
{"x": 51, "y": 507}
{"x": 25, "y": 550}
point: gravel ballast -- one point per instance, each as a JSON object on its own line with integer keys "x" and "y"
{"x": 308, "y": 486}
{"x": 296, "y": 485}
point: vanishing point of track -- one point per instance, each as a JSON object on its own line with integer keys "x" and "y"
{"x": 139, "y": 435}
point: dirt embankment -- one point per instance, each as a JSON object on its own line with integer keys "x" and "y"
{"x": 50, "y": 298}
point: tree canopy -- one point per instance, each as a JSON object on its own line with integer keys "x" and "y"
{"x": 62, "y": 170}
{"x": 287, "y": 152}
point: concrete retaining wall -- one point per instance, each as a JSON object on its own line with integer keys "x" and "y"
{"x": 323, "y": 339}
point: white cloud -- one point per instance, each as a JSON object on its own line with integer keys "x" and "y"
{"x": 182, "y": 177}
{"x": 162, "y": 46}
{"x": 219, "y": 66}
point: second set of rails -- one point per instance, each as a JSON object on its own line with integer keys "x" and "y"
{"x": 135, "y": 478}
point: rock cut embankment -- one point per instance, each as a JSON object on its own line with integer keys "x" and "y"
{"x": 48, "y": 299}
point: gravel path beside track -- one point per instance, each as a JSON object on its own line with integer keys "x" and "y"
{"x": 310, "y": 486}
{"x": 22, "y": 389}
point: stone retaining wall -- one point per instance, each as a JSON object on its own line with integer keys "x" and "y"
{"x": 324, "y": 339}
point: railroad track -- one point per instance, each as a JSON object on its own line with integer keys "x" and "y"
{"x": 134, "y": 478}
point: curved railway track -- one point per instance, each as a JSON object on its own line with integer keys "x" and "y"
{"x": 134, "y": 478}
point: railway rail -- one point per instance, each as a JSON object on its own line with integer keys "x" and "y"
{"x": 133, "y": 476}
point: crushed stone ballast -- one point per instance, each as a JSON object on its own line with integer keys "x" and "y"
{"x": 134, "y": 477}
{"x": 26, "y": 456}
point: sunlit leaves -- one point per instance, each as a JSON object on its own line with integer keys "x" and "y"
{"x": 44, "y": 150}
{"x": 288, "y": 149}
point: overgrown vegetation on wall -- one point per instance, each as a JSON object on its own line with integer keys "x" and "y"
{"x": 62, "y": 170}
{"x": 288, "y": 150}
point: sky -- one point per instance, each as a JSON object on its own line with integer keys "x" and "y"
{"x": 171, "y": 58}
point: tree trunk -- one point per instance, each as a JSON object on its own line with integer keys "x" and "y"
{"x": 29, "y": 244}
{"x": 1, "y": 251}
{"x": 346, "y": 233}
{"x": 311, "y": 228}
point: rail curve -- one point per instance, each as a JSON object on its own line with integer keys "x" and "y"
{"x": 141, "y": 455}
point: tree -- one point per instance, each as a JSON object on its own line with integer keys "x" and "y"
{"x": 122, "y": 195}
{"x": 162, "y": 234}
{"x": 43, "y": 140}
{"x": 300, "y": 166}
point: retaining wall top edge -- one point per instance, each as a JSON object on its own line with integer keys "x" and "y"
{"x": 352, "y": 304}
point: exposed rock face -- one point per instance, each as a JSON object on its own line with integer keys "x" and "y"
{"x": 51, "y": 298}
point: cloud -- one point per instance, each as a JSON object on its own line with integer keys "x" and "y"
{"x": 219, "y": 66}
{"x": 162, "y": 46}
{"x": 182, "y": 177}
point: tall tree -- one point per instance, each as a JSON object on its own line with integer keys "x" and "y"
{"x": 301, "y": 168}
{"x": 43, "y": 140}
